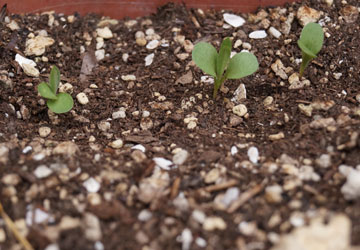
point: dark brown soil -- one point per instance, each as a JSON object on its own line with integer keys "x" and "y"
{"x": 130, "y": 180}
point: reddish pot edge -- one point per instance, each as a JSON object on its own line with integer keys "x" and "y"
{"x": 130, "y": 8}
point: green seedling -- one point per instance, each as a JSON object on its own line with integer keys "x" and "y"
{"x": 220, "y": 65}
{"x": 310, "y": 43}
{"x": 56, "y": 102}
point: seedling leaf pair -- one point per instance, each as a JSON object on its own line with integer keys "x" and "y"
{"x": 220, "y": 65}
{"x": 310, "y": 43}
{"x": 58, "y": 103}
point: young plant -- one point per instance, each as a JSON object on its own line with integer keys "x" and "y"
{"x": 221, "y": 66}
{"x": 56, "y": 102}
{"x": 310, "y": 43}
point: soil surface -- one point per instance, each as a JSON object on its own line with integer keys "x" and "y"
{"x": 146, "y": 159}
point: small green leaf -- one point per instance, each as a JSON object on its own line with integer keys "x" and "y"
{"x": 310, "y": 43}
{"x": 204, "y": 55}
{"x": 223, "y": 58}
{"x": 241, "y": 65}
{"x": 305, "y": 49}
{"x": 311, "y": 39}
{"x": 54, "y": 79}
{"x": 63, "y": 104}
{"x": 45, "y": 91}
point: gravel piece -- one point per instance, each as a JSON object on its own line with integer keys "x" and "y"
{"x": 163, "y": 163}
{"x": 92, "y": 227}
{"x": 214, "y": 223}
{"x": 11, "y": 179}
{"x": 29, "y": 66}
{"x": 307, "y": 15}
{"x": 44, "y": 131}
{"x": 92, "y": 185}
{"x": 149, "y": 59}
{"x": 82, "y": 98}
{"x": 324, "y": 161}
{"x": 100, "y": 54}
{"x": 36, "y": 45}
{"x": 239, "y": 94}
{"x": 253, "y": 154}
{"x": 120, "y": 114}
{"x": 180, "y": 157}
{"x": 351, "y": 188}
{"x": 186, "y": 238}
{"x": 117, "y": 144}
{"x": 128, "y": 77}
{"x": 240, "y": 110}
{"x": 233, "y": 20}
{"x": 279, "y": 69}
{"x": 318, "y": 236}
{"x": 274, "y": 32}
{"x": 144, "y": 215}
{"x": 212, "y": 176}
{"x": 42, "y": 171}
{"x": 67, "y": 148}
{"x": 273, "y": 194}
{"x": 258, "y": 34}
{"x": 153, "y": 44}
{"x": 104, "y": 32}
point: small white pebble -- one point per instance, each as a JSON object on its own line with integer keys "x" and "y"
{"x": 153, "y": 44}
{"x": 42, "y": 171}
{"x": 82, "y": 98}
{"x": 44, "y": 131}
{"x": 53, "y": 246}
{"x": 240, "y": 110}
{"x": 27, "y": 149}
{"x": 91, "y": 185}
{"x": 233, "y": 20}
{"x": 104, "y": 32}
{"x": 234, "y": 150}
{"x": 200, "y": 242}
{"x": 258, "y": 34}
{"x": 145, "y": 114}
{"x": 213, "y": 223}
{"x": 39, "y": 157}
{"x": 274, "y": 32}
{"x": 253, "y": 154}
{"x": 139, "y": 147}
{"x": 117, "y": 144}
{"x": 118, "y": 114}
{"x": 144, "y": 215}
{"x": 163, "y": 163}
{"x": 125, "y": 57}
{"x": 149, "y": 59}
{"x": 128, "y": 77}
{"x": 100, "y": 54}
{"x": 180, "y": 157}
{"x": 246, "y": 46}
{"x": 199, "y": 216}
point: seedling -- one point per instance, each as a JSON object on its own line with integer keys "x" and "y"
{"x": 310, "y": 43}
{"x": 60, "y": 102}
{"x": 221, "y": 66}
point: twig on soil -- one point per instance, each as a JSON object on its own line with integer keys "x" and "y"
{"x": 244, "y": 197}
{"x": 11, "y": 225}
{"x": 303, "y": 101}
{"x": 175, "y": 188}
{"x": 195, "y": 22}
{"x": 313, "y": 191}
{"x": 221, "y": 186}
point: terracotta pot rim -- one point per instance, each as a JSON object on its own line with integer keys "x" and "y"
{"x": 130, "y": 8}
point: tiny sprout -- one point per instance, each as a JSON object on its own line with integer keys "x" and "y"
{"x": 221, "y": 66}
{"x": 58, "y": 103}
{"x": 310, "y": 43}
